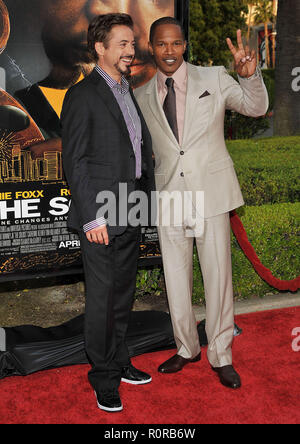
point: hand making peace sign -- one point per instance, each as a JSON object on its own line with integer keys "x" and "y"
{"x": 245, "y": 60}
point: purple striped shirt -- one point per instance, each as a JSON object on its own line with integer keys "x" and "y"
{"x": 133, "y": 123}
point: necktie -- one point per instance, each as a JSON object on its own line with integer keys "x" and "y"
{"x": 169, "y": 107}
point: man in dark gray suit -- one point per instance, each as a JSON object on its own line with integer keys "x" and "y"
{"x": 106, "y": 143}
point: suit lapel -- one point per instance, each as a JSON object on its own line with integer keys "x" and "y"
{"x": 106, "y": 94}
{"x": 195, "y": 114}
{"x": 196, "y": 87}
{"x": 157, "y": 110}
{"x": 109, "y": 100}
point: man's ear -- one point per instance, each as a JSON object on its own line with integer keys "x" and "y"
{"x": 150, "y": 47}
{"x": 99, "y": 48}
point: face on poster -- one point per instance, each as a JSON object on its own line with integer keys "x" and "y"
{"x": 43, "y": 51}
{"x": 48, "y": 37}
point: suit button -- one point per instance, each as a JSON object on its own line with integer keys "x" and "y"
{"x": 182, "y": 174}
{"x": 181, "y": 153}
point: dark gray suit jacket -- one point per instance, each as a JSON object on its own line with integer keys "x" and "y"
{"x": 97, "y": 150}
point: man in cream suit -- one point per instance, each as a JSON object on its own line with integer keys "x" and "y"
{"x": 184, "y": 108}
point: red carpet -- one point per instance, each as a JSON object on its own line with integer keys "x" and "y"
{"x": 263, "y": 355}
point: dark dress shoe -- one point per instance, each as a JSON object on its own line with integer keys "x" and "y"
{"x": 109, "y": 401}
{"x": 132, "y": 375}
{"x": 176, "y": 363}
{"x": 228, "y": 376}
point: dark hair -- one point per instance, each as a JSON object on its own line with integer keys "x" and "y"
{"x": 101, "y": 26}
{"x": 165, "y": 21}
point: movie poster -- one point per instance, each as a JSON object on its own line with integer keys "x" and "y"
{"x": 43, "y": 52}
{"x": 262, "y": 54}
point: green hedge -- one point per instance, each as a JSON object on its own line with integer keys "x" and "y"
{"x": 272, "y": 230}
{"x": 268, "y": 169}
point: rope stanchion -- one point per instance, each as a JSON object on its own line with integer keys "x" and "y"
{"x": 241, "y": 236}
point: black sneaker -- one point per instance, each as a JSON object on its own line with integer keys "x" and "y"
{"x": 109, "y": 401}
{"x": 132, "y": 375}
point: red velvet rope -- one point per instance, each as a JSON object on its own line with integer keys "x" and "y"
{"x": 241, "y": 236}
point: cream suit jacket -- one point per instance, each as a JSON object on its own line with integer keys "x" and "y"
{"x": 202, "y": 162}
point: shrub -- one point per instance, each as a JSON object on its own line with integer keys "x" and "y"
{"x": 268, "y": 169}
{"x": 148, "y": 281}
{"x": 238, "y": 126}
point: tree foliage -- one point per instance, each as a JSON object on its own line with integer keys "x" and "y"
{"x": 211, "y": 21}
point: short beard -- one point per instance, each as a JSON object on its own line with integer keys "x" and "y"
{"x": 124, "y": 73}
